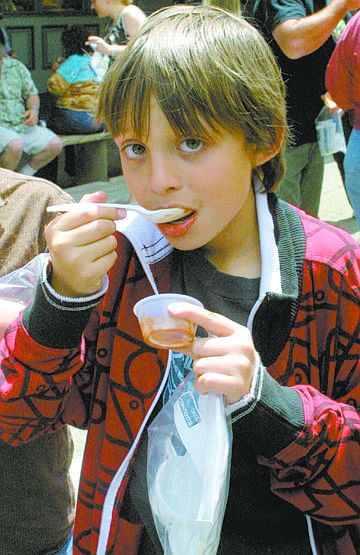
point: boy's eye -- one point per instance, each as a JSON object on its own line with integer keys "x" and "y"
{"x": 134, "y": 150}
{"x": 191, "y": 145}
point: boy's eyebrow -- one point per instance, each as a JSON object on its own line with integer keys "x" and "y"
{"x": 122, "y": 137}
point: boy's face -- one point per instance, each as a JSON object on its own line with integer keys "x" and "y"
{"x": 211, "y": 178}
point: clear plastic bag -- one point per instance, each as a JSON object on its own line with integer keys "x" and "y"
{"x": 100, "y": 63}
{"x": 330, "y": 131}
{"x": 188, "y": 471}
{"x": 18, "y": 286}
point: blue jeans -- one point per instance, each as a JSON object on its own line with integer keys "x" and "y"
{"x": 352, "y": 172}
{"x": 73, "y": 122}
{"x": 68, "y": 547}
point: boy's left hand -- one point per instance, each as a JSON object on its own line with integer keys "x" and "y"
{"x": 224, "y": 364}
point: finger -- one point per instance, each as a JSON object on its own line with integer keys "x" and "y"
{"x": 97, "y": 231}
{"x": 103, "y": 247}
{"x": 212, "y": 322}
{"x": 82, "y": 269}
{"x": 85, "y": 283}
{"x": 91, "y": 256}
{"x": 228, "y": 362}
{"x": 98, "y": 196}
{"x": 79, "y": 256}
{"x": 83, "y": 215}
{"x": 99, "y": 268}
{"x": 104, "y": 264}
{"x": 87, "y": 234}
{"x": 222, "y": 385}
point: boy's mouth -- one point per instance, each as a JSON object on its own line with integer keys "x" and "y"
{"x": 182, "y": 219}
{"x": 180, "y": 226}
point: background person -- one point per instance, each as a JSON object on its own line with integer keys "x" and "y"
{"x": 125, "y": 17}
{"x": 19, "y": 112}
{"x": 300, "y": 34}
{"x": 343, "y": 81}
{"x": 37, "y": 498}
{"x": 74, "y": 86}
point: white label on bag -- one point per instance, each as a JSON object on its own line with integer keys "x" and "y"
{"x": 189, "y": 409}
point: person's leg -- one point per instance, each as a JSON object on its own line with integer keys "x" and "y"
{"x": 43, "y": 146}
{"x": 10, "y": 156}
{"x": 73, "y": 122}
{"x": 312, "y": 179}
{"x": 352, "y": 172}
{"x": 295, "y": 162}
{"x": 11, "y": 148}
{"x": 51, "y": 151}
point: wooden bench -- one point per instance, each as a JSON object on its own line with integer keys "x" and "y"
{"x": 91, "y": 153}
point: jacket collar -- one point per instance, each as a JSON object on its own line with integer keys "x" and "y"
{"x": 276, "y": 315}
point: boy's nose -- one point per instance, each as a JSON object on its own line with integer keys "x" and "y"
{"x": 164, "y": 178}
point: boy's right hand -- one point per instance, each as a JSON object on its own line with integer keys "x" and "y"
{"x": 82, "y": 246}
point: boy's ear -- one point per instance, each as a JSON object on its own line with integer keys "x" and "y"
{"x": 262, "y": 156}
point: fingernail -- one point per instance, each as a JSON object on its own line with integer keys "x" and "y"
{"x": 177, "y": 307}
{"x": 121, "y": 213}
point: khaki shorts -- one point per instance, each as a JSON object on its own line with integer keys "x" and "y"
{"x": 35, "y": 139}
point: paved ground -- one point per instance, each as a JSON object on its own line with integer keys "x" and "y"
{"x": 334, "y": 208}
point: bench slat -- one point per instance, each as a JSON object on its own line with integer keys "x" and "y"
{"x": 79, "y": 139}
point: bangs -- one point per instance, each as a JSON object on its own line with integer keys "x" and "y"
{"x": 125, "y": 100}
{"x": 216, "y": 72}
{"x": 187, "y": 79}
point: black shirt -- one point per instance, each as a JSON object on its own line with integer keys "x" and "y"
{"x": 304, "y": 77}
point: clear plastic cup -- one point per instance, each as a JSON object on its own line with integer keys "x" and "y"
{"x": 161, "y": 330}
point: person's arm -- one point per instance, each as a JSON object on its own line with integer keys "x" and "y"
{"x": 43, "y": 350}
{"x": 300, "y": 37}
{"x": 133, "y": 18}
{"x": 319, "y": 471}
{"x": 116, "y": 49}
{"x": 39, "y": 390}
{"x": 31, "y": 114}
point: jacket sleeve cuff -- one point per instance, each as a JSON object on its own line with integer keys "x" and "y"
{"x": 53, "y": 320}
{"x": 272, "y": 418}
{"x": 248, "y": 401}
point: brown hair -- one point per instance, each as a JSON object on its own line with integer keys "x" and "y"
{"x": 201, "y": 64}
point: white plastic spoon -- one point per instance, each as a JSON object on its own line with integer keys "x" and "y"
{"x": 156, "y": 216}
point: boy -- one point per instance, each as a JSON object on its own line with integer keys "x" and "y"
{"x": 197, "y": 108}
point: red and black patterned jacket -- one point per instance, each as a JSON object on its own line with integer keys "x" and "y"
{"x": 106, "y": 379}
